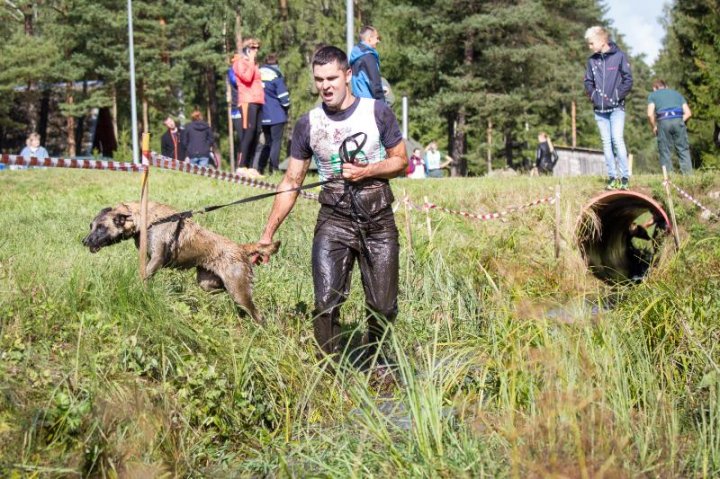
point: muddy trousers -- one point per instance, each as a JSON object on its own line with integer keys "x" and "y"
{"x": 337, "y": 244}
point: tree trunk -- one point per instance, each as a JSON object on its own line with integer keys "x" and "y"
{"x": 238, "y": 32}
{"x": 210, "y": 78}
{"x": 70, "y": 127}
{"x": 31, "y": 97}
{"x": 115, "y": 112}
{"x": 459, "y": 146}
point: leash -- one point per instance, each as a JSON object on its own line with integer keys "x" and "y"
{"x": 190, "y": 213}
{"x": 346, "y": 156}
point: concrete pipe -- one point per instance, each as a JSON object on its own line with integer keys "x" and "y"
{"x": 620, "y": 234}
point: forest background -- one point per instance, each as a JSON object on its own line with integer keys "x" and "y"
{"x": 465, "y": 65}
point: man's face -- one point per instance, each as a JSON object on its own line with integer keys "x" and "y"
{"x": 170, "y": 123}
{"x": 332, "y": 83}
{"x": 596, "y": 44}
{"x": 373, "y": 39}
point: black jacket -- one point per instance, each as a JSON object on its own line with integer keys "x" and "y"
{"x": 198, "y": 139}
{"x": 167, "y": 145}
{"x": 545, "y": 159}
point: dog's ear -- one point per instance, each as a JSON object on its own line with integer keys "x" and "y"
{"x": 120, "y": 220}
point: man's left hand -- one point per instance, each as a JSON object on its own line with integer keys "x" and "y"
{"x": 354, "y": 171}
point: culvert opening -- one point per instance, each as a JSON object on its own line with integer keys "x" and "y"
{"x": 620, "y": 234}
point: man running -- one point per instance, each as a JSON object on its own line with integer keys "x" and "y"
{"x": 358, "y": 147}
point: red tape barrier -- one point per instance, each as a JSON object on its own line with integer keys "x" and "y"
{"x": 166, "y": 163}
{"x": 480, "y": 217}
{"x": 693, "y": 200}
{"x": 156, "y": 160}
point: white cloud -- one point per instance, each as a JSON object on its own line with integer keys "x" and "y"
{"x": 638, "y": 22}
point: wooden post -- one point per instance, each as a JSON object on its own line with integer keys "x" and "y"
{"x": 145, "y": 148}
{"x": 671, "y": 207}
{"x": 489, "y": 146}
{"x": 408, "y": 230}
{"x": 557, "y": 221}
{"x": 573, "y": 113}
{"x": 142, "y": 247}
{"x": 427, "y": 217}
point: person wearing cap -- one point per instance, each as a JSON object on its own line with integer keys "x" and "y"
{"x": 668, "y": 112}
{"x": 365, "y": 62}
{"x": 251, "y": 98}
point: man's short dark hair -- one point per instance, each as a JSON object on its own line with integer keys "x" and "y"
{"x": 659, "y": 84}
{"x": 365, "y": 30}
{"x": 271, "y": 58}
{"x": 331, "y": 54}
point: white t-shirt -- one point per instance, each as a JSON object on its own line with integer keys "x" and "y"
{"x": 432, "y": 159}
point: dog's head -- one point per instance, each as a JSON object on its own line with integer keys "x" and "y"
{"x": 110, "y": 226}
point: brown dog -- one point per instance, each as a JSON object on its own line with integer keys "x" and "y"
{"x": 181, "y": 243}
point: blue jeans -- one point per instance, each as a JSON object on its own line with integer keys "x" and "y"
{"x": 611, "y": 125}
{"x": 200, "y": 161}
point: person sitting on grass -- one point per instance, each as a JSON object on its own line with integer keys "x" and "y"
{"x": 33, "y": 148}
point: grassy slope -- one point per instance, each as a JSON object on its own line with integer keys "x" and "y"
{"x": 506, "y": 370}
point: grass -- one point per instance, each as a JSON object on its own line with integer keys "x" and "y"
{"x": 506, "y": 369}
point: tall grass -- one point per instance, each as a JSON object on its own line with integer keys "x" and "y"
{"x": 509, "y": 362}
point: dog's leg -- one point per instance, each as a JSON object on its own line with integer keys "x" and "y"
{"x": 157, "y": 257}
{"x": 208, "y": 280}
{"x": 238, "y": 283}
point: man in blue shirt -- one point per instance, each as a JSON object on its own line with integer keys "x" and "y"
{"x": 365, "y": 62}
{"x": 668, "y": 112}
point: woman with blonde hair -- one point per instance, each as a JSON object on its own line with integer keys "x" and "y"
{"x": 545, "y": 156}
{"x": 608, "y": 81}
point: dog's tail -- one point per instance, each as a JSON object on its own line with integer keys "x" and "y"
{"x": 264, "y": 249}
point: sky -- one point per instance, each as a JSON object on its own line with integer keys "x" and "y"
{"x": 637, "y": 21}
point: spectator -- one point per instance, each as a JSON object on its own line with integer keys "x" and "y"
{"x": 355, "y": 221}
{"x": 608, "y": 80}
{"x": 171, "y": 145}
{"x": 198, "y": 140}
{"x": 250, "y": 99}
{"x": 433, "y": 161}
{"x": 545, "y": 156}
{"x": 274, "y": 113}
{"x": 33, "y": 148}
{"x": 668, "y": 112}
{"x": 365, "y": 62}
{"x": 416, "y": 165}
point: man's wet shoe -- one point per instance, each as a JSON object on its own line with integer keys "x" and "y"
{"x": 624, "y": 184}
{"x": 612, "y": 184}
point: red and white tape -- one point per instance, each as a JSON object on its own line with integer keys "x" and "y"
{"x": 16, "y": 160}
{"x": 480, "y": 217}
{"x": 693, "y": 200}
{"x": 158, "y": 161}
{"x": 166, "y": 163}
{"x": 185, "y": 167}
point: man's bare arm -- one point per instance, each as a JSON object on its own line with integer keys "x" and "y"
{"x": 395, "y": 163}
{"x": 651, "y": 117}
{"x": 284, "y": 202}
{"x": 686, "y": 112}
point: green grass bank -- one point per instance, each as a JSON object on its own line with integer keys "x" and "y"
{"x": 512, "y": 362}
